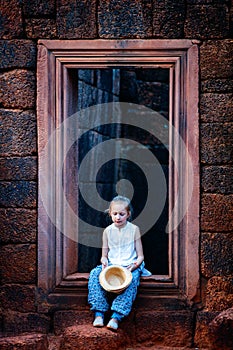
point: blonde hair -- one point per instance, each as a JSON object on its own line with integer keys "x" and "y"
{"x": 122, "y": 199}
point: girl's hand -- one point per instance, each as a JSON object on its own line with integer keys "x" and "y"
{"x": 132, "y": 267}
{"x": 104, "y": 262}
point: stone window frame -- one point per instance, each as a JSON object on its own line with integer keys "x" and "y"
{"x": 58, "y": 286}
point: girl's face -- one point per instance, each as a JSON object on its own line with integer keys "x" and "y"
{"x": 119, "y": 214}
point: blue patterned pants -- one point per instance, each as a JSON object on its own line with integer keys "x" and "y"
{"x": 98, "y": 298}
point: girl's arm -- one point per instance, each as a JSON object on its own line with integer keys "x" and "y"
{"x": 104, "y": 258}
{"x": 139, "y": 250}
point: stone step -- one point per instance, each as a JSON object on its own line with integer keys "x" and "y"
{"x": 87, "y": 337}
{"x": 80, "y": 337}
{"x": 24, "y": 342}
{"x": 167, "y": 329}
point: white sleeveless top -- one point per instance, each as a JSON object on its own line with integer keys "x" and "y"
{"x": 121, "y": 244}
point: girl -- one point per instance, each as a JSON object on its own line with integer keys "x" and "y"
{"x": 121, "y": 246}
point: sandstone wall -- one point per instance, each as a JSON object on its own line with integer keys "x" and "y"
{"x": 23, "y": 22}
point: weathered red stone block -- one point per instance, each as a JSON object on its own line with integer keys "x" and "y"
{"x": 76, "y": 19}
{"x": 65, "y": 319}
{"x": 18, "y": 225}
{"x": 18, "y": 194}
{"x": 68, "y": 318}
{"x": 1, "y": 323}
{"x": 38, "y": 8}
{"x": 217, "y": 85}
{"x": 203, "y": 21}
{"x": 166, "y": 328}
{"x": 168, "y": 20}
{"x": 18, "y": 132}
{"x": 219, "y": 293}
{"x": 54, "y": 342}
{"x": 17, "y": 54}
{"x": 217, "y": 179}
{"x": 15, "y": 168}
{"x": 18, "y": 298}
{"x": 216, "y": 59}
{"x": 17, "y": 89}
{"x": 42, "y": 28}
{"x": 216, "y": 254}
{"x": 204, "y": 2}
{"x": 203, "y": 338}
{"x": 17, "y": 323}
{"x": 215, "y": 107}
{"x": 231, "y": 21}
{"x": 216, "y": 213}
{"x": 11, "y": 20}
{"x": 125, "y": 19}
{"x": 214, "y": 330}
{"x": 222, "y": 330}
{"x": 91, "y": 338}
{"x": 18, "y": 263}
{"x": 24, "y": 342}
{"x": 216, "y": 143}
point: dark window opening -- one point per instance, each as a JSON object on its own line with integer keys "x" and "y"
{"x": 144, "y": 86}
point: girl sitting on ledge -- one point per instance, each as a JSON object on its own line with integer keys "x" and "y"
{"x": 121, "y": 246}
